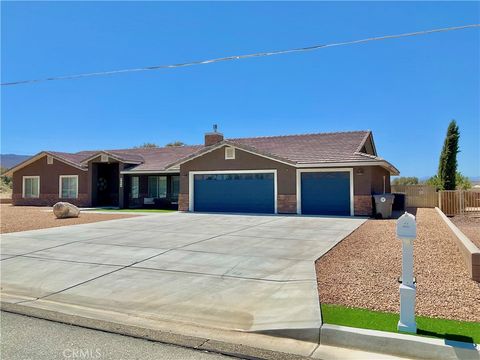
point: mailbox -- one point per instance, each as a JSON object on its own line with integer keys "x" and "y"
{"x": 406, "y": 227}
{"x": 407, "y": 231}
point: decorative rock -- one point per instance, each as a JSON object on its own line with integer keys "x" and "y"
{"x": 64, "y": 210}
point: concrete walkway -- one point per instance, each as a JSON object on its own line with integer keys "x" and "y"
{"x": 233, "y": 272}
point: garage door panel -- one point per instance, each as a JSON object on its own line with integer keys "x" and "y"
{"x": 325, "y": 193}
{"x": 252, "y": 193}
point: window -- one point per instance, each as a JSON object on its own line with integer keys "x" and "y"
{"x": 175, "y": 186}
{"x": 229, "y": 153}
{"x": 157, "y": 186}
{"x": 31, "y": 186}
{"x": 135, "y": 187}
{"x": 68, "y": 187}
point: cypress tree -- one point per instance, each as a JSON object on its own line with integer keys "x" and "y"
{"x": 447, "y": 167}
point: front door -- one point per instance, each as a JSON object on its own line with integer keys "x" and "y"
{"x": 107, "y": 184}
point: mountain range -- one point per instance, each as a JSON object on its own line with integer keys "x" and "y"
{"x": 10, "y": 160}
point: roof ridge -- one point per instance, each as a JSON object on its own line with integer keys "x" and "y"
{"x": 155, "y": 148}
{"x": 305, "y": 134}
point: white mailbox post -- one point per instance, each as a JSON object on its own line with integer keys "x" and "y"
{"x": 407, "y": 232}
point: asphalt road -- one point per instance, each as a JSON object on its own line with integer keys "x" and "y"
{"x": 26, "y": 338}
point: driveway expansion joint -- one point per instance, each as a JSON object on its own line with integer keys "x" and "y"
{"x": 218, "y": 280}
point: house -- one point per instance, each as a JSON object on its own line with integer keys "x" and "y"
{"x": 325, "y": 173}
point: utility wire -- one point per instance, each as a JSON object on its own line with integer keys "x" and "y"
{"x": 245, "y": 56}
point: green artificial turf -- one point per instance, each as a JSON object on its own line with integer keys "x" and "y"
{"x": 135, "y": 210}
{"x": 376, "y": 320}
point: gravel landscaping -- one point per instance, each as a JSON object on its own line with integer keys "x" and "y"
{"x": 21, "y": 218}
{"x": 470, "y": 226}
{"x": 362, "y": 270}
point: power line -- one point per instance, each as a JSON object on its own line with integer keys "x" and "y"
{"x": 245, "y": 56}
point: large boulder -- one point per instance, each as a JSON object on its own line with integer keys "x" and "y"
{"x": 64, "y": 210}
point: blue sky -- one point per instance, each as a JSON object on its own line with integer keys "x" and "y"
{"x": 405, "y": 90}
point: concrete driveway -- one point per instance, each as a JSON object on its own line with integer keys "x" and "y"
{"x": 234, "y": 272}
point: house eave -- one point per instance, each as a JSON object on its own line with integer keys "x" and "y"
{"x": 110, "y": 155}
{"x": 38, "y": 157}
{"x": 383, "y": 163}
{"x": 146, "y": 172}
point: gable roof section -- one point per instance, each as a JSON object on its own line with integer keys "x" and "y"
{"x": 158, "y": 159}
{"x": 143, "y": 159}
{"x": 66, "y": 158}
{"x": 118, "y": 155}
{"x": 316, "y": 150}
{"x": 308, "y": 150}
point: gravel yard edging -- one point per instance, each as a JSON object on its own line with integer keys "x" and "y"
{"x": 469, "y": 251}
{"x": 404, "y": 345}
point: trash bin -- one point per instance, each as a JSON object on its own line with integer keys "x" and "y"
{"x": 399, "y": 202}
{"x": 383, "y": 205}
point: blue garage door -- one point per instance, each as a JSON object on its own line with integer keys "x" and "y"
{"x": 250, "y": 193}
{"x": 325, "y": 193}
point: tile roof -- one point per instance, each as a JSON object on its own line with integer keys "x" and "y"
{"x": 310, "y": 148}
{"x": 151, "y": 159}
{"x": 318, "y": 148}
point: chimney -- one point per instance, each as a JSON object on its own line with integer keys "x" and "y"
{"x": 214, "y": 137}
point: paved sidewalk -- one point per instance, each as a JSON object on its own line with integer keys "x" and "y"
{"x": 233, "y": 272}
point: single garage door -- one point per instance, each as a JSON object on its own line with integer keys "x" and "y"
{"x": 325, "y": 193}
{"x": 245, "y": 192}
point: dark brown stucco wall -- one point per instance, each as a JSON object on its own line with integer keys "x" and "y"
{"x": 215, "y": 161}
{"x": 367, "y": 179}
{"x": 49, "y": 182}
{"x": 377, "y": 180}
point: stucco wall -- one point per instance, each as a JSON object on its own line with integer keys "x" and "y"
{"x": 367, "y": 179}
{"x": 49, "y": 183}
{"x": 215, "y": 161}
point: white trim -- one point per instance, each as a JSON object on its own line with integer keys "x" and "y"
{"x": 299, "y": 185}
{"x": 60, "y": 177}
{"x": 191, "y": 189}
{"x": 23, "y": 186}
{"x": 383, "y": 163}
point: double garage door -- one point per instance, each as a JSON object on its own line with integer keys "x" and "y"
{"x": 322, "y": 193}
{"x": 245, "y": 192}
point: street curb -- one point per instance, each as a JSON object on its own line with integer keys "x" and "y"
{"x": 167, "y": 337}
{"x": 397, "y": 344}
